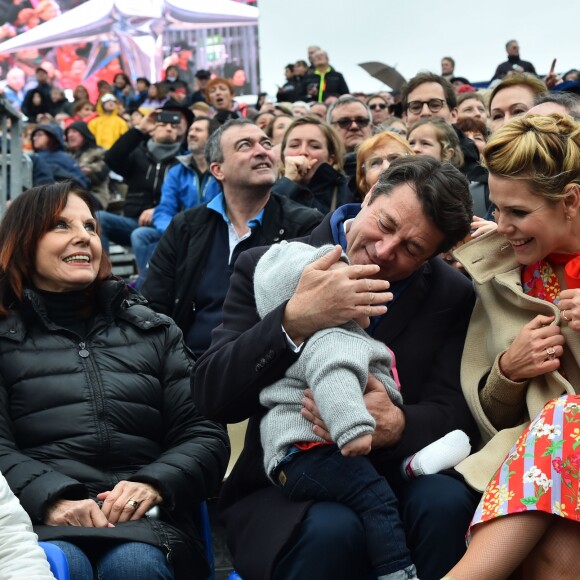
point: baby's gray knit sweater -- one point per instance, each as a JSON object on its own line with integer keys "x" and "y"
{"x": 334, "y": 363}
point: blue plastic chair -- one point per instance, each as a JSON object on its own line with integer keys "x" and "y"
{"x": 57, "y": 560}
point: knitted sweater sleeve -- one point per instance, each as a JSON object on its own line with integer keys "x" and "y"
{"x": 336, "y": 364}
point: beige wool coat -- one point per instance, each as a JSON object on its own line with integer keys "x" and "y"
{"x": 501, "y": 407}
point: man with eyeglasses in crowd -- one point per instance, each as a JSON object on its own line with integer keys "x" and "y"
{"x": 430, "y": 95}
{"x": 352, "y": 121}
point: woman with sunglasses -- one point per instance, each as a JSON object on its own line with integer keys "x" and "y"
{"x": 379, "y": 109}
{"x": 312, "y": 165}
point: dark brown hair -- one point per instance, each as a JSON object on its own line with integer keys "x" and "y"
{"x": 442, "y": 191}
{"x": 427, "y": 77}
{"x": 82, "y": 103}
{"x": 30, "y": 216}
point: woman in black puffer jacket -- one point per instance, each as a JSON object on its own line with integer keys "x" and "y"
{"x": 99, "y": 437}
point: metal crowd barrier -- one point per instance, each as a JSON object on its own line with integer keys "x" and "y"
{"x": 15, "y": 165}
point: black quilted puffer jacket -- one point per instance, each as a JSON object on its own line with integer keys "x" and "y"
{"x": 78, "y": 415}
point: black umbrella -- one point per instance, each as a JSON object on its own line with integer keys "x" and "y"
{"x": 385, "y": 73}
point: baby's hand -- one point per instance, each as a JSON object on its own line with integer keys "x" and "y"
{"x": 359, "y": 446}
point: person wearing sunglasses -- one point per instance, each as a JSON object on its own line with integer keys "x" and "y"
{"x": 352, "y": 121}
{"x": 379, "y": 109}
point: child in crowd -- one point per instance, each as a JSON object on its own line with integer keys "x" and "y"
{"x": 335, "y": 364}
{"x": 434, "y": 137}
{"x": 108, "y": 126}
{"x": 475, "y": 130}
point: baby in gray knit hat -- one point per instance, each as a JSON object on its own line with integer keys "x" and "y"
{"x": 335, "y": 363}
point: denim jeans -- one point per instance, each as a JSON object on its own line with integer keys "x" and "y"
{"x": 144, "y": 241}
{"x": 324, "y": 474}
{"x": 435, "y": 509}
{"x": 127, "y": 561}
{"x": 116, "y": 228}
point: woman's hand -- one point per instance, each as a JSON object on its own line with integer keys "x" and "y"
{"x": 535, "y": 351}
{"x": 119, "y": 504}
{"x": 569, "y": 305}
{"x": 297, "y": 167}
{"x": 84, "y": 513}
{"x": 479, "y": 226}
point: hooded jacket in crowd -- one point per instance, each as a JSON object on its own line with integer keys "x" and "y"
{"x": 62, "y": 165}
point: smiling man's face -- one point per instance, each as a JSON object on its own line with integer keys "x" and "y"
{"x": 248, "y": 159}
{"x": 394, "y": 233}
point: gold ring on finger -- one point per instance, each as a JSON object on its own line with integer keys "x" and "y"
{"x": 551, "y": 351}
{"x": 133, "y": 503}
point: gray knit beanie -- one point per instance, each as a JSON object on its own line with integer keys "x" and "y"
{"x": 278, "y": 272}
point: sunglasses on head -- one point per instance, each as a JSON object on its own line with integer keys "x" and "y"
{"x": 346, "y": 123}
{"x": 378, "y": 106}
{"x": 435, "y": 105}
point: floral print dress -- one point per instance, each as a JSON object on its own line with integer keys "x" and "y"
{"x": 542, "y": 470}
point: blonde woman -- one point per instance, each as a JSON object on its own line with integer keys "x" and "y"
{"x": 311, "y": 158}
{"x": 520, "y": 369}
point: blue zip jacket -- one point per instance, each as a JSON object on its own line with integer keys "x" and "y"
{"x": 182, "y": 190}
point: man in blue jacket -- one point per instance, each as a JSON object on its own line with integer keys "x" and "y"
{"x": 187, "y": 184}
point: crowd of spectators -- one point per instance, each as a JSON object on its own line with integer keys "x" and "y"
{"x": 204, "y": 177}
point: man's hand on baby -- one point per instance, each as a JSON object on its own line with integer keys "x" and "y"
{"x": 359, "y": 446}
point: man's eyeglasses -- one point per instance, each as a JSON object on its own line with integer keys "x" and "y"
{"x": 435, "y": 105}
{"x": 378, "y": 106}
{"x": 346, "y": 123}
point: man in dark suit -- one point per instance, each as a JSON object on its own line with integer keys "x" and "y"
{"x": 418, "y": 209}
